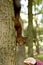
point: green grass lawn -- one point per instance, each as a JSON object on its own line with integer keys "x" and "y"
{"x": 40, "y": 57}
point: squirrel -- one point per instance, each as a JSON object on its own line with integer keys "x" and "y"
{"x": 17, "y": 8}
{"x": 17, "y": 24}
{"x": 18, "y": 28}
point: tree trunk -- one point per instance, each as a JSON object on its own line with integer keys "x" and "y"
{"x": 37, "y": 41}
{"x": 30, "y": 28}
{"x": 7, "y": 33}
{"x": 20, "y": 55}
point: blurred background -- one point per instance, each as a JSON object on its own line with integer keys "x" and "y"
{"x": 36, "y": 25}
{"x": 31, "y": 18}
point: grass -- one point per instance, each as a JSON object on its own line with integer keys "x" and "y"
{"x": 40, "y": 57}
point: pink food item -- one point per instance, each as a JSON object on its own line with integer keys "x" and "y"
{"x": 30, "y": 60}
{"x": 33, "y": 61}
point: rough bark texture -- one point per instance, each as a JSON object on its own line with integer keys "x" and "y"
{"x": 7, "y": 33}
{"x": 30, "y": 28}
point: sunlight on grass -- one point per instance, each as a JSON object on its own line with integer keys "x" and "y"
{"x": 40, "y": 57}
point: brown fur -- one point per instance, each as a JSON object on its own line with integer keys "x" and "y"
{"x": 18, "y": 28}
{"x": 17, "y": 24}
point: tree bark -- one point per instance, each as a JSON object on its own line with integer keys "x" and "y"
{"x": 20, "y": 55}
{"x": 37, "y": 41}
{"x": 7, "y": 33}
{"x": 30, "y": 28}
